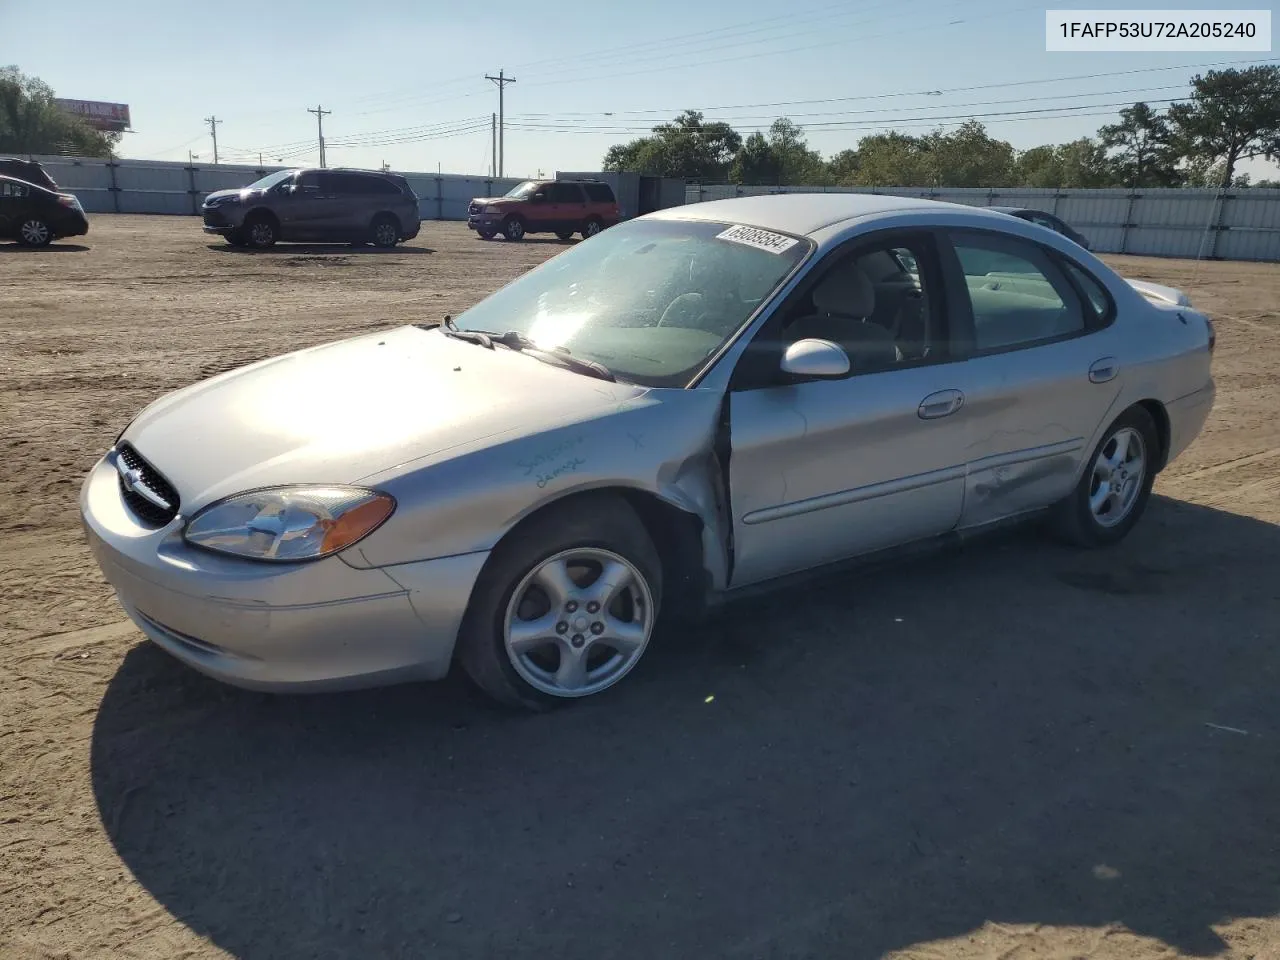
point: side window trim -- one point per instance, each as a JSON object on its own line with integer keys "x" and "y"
{"x": 748, "y": 374}
{"x": 1058, "y": 278}
{"x": 1108, "y": 317}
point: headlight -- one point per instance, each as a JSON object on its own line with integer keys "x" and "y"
{"x": 289, "y": 523}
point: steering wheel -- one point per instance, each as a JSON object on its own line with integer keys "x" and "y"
{"x": 686, "y": 307}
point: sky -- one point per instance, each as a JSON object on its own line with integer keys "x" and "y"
{"x": 405, "y": 80}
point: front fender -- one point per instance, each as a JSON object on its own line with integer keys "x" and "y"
{"x": 660, "y": 443}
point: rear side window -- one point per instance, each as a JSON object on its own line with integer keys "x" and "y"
{"x": 10, "y": 189}
{"x": 380, "y": 186}
{"x": 564, "y": 193}
{"x": 1093, "y": 291}
{"x": 599, "y": 192}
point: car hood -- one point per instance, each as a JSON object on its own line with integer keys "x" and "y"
{"x": 347, "y": 410}
{"x": 504, "y": 201}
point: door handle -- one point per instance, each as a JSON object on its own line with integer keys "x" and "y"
{"x": 1103, "y": 370}
{"x": 940, "y": 404}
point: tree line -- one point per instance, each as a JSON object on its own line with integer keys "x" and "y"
{"x": 30, "y": 121}
{"x": 1231, "y": 116}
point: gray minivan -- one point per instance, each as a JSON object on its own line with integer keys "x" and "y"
{"x": 336, "y": 205}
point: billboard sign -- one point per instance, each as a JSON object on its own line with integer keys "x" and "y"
{"x": 102, "y": 116}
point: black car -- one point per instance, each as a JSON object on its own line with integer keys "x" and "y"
{"x": 35, "y": 216}
{"x": 319, "y": 206}
{"x": 27, "y": 170}
{"x": 1045, "y": 220}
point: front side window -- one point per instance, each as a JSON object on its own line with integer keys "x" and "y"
{"x": 652, "y": 300}
{"x": 1018, "y": 296}
{"x": 870, "y": 303}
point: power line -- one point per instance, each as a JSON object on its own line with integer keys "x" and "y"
{"x": 320, "y": 113}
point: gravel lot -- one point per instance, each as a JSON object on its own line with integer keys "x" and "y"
{"x": 1011, "y": 751}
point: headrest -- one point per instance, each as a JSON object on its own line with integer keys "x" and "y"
{"x": 846, "y": 291}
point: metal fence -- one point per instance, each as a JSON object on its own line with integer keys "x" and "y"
{"x": 1239, "y": 224}
{"x": 154, "y": 186}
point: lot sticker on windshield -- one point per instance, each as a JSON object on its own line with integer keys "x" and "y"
{"x": 760, "y": 239}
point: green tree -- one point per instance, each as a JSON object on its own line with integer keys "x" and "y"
{"x": 1080, "y": 163}
{"x": 1233, "y": 115}
{"x": 756, "y": 162}
{"x": 1142, "y": 145}
{"x": 1038, "y": 167}
{"x": 30, "y": 121}
{"x": 892, "y": 160}
{"x": 843, "y": 168}
{"x": 688, "y": 147}
{"x": 969, "y": 157}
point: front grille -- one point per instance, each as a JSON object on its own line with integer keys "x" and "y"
{"x": 150, "y": 479}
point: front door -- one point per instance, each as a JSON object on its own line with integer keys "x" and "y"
{"x": 828, "y": 469}
{"x": 1043, "y": 376}
{"x": 312, "y": 210}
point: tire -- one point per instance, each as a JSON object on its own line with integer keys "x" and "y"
{"x": 34, "y": 232}
{"x": 385, "y": 231}
{"x": 260, "y": 231}
{"x": 577, "y": 539}
{"x": 235, "y": 238}
{"x": 485, "y": 234}
{"x": 564, "y": 234}
{"x": 1075, "y": 519}
{"x": 591, "y": 228}
{"x": 513, "y": 229}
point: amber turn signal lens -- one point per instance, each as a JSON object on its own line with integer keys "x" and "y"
{"x": 356, "y": 522}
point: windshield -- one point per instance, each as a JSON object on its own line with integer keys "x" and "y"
{"x": 650, "y": 299}
{"x": 271, "y": 179}
{"x": 522, "y": 191}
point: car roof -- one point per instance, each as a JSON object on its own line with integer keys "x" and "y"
{"x": 803, "y": 214}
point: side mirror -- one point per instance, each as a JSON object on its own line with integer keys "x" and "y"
{"x": 815, "y": 358}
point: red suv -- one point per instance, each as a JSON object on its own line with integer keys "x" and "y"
{"x": 562, "y": 207}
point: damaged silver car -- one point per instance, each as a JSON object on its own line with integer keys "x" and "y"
{"x": 695, "y": 403}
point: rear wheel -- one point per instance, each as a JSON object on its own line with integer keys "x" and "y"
{"x": 565, "y": 607}
{"x": 591, "y": 228}
{"x": 1116, "y": 485}
{"x": 34, "y": 232}
{"x": 385, "y": 231}
{"x": 260, "y": 232}
{"x": 513, "y": 229}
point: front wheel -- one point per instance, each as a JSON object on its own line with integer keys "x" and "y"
{"x": 385, "y": 233}
{"x": 260, "y": 232}
{"x": 565, "y": 607}
{"x": 513, "y": 229}
{"x": 34, "y": 232}
{"x": 564, "y": 234}
{"x": 485, "y": 234}
{"x": 235, "y": 238}
{"x": 1116, "y": 485}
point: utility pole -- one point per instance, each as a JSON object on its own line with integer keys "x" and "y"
{"x": 493, "y": 136}
{"x": 320, "y": 113}
{"x": 501, "y": 80}
{"x": 213, "y": 131}
{"x": 191, "y": 159}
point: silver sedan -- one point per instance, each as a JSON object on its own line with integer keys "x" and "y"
{"x": 689, "y": 405}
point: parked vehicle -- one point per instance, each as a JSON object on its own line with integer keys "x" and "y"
{"x": 35, "y": 217}
{"x": 1055, "y": 224}
{"x": 562, "y": 207}
{"x": 29, "y": 170}
{"x": 698, "y": 402}
{"x": 334, "y": 205}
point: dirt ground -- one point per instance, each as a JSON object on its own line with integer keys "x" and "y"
{"x": 1009, "y": 751}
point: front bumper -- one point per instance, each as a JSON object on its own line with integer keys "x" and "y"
{"x": 220, "y": 219}
{"x": 322, "y": 625}
{"x": 488, "y": 222}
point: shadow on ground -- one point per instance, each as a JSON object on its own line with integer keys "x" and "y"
{"x": 54, "y": 247}
{"x": 319, "y": 249}
{"x": 1012, "y": 732}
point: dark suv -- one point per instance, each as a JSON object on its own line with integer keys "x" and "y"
{"x": 28, "y": 170}
{"x": 319, "y": 206}
{"x": 562, "y": 207}
{"x": 35, "y": 217}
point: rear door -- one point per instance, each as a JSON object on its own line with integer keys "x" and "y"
{"x": 13, "y": 202}
{"x": 569, "y": 205}
{"x": 1042, "y": 374}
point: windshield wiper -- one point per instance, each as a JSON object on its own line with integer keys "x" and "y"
{"x": 470, "y": 336}
{"x": 557, "y": 355}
